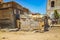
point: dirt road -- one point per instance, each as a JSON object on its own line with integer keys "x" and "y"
{"x": 53, "y": 34}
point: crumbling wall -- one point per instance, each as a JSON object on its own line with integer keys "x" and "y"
{"x": 6, "y": 18}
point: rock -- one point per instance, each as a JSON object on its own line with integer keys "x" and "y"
{"x": 13, "y": 30}
{"x": 3, "y": 30}
{"x": 3, "y": 37}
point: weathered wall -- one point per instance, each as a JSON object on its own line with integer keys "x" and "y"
{"x": 51, "y": 9}
{"x": 6, "y": 18}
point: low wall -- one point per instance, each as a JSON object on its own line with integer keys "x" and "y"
{"x": 29, "y": 24}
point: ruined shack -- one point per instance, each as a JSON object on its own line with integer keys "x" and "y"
{"x": 9, "y": 14}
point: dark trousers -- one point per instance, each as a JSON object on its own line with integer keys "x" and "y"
{"x": 46, "y": 27}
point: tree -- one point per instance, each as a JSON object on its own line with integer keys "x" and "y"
{"x": 56, "y": 16}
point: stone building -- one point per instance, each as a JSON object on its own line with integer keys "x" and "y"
{"x": 53, "y": 5}
{"x": 9, "y": 14}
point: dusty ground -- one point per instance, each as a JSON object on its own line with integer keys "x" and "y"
{"x": 53, "y": 34}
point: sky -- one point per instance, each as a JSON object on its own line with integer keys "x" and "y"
{"x": 35, "y": 6}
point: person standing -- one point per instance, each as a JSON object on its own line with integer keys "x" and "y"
{"x": 46, "y": 24}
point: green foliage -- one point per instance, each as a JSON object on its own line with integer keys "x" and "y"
{"x": 56, "y": 14}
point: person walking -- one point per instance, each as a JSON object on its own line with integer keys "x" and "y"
{"x": 46, "y": 24}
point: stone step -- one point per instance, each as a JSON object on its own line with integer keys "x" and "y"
{"x": 56, "y": 25}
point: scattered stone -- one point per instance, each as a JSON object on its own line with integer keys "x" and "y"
{"x": 3, "y": 30}
{"x": 38, "y": 31}
{"x": 13, "y": 30}
{"x": 3, "y": 37}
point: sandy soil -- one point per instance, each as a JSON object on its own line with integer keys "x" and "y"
{"x": 53, "y": 34}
